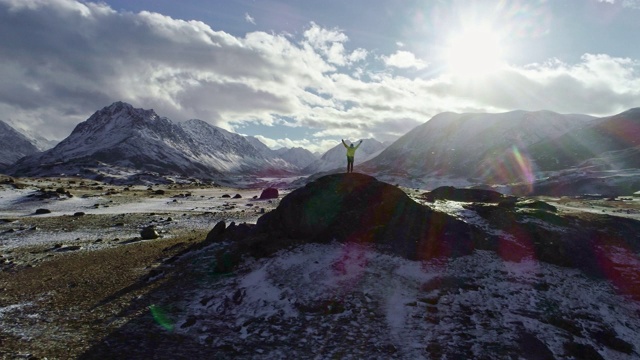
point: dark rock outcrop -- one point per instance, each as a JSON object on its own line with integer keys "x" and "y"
{"x": 355, "y": 208}
{"x": 269, "y": 193}
{"x": 216, "y": 233}
{"x": 149, "y": 232}
{"x": 469, "y": 195}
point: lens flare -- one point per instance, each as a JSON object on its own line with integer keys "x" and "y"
{"x": 513, "y": 166}
{"x": 160, "y": 316}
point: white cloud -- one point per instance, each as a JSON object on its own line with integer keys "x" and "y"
{"x": 633, "y": 4}
{"x": 404, "y": 60}
{"x": 248, "y": 18}
{"x": 61, "y": 60}
{"x": 330, "y": 44}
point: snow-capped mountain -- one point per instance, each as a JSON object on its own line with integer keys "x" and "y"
{"x": 335, "y": 158}
{"x": 465, "y": 149}
{"x": 260, "y": 146}
{"x": 42, "y": 143}
{"x": 123, "y": 141}
{"x": 229, "y": 152}
{"x": 297, "y": 156}
{"x": 13, "y": 145}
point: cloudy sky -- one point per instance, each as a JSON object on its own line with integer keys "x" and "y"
{"x": 308, "y": 73}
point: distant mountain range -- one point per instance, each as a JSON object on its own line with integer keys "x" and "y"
{"x": 524, "y": 152}
{"x": 127, "y": 144}
{"x": 530, "y": 152}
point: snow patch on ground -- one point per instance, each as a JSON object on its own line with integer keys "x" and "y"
{"x": 476, "y": 302}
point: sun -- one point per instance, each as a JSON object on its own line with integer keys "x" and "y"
{"x": 474, "y": 51}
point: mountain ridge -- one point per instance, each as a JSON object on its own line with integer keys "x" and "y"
{"x": 13, "y": 145}
{"x": 139, "y": 142}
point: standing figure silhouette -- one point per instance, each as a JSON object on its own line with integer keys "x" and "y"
{"x": 351, "y": 153}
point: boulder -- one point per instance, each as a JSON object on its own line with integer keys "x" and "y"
{"x": 359, "y": 208}
{"x": 467, "y": 195}
{"x": 269, "y": 193}
{"x": 536, "y": 204}
{"x": 356, "y": 208}
{"x": 237, "y": 196}
{"x": 216, "y": 233}
{"x": 43, "y": 211}
{"x": 149, "y": 233}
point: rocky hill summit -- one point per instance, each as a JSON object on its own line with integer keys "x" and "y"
{"x": 357, "y": 208}
{"x": 352, "y": 266}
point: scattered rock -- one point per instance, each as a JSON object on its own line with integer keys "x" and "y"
{"x": 42, "y": 211}
{"x": 237, "y": 196}
{"x": 269, "y": 193}
{"x": 226, "y": 196}
{"x": 79, "y": 213}
{"x": 159, "y": 192}
{"x": 149, "y": 233}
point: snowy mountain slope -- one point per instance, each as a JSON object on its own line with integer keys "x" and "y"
{"x": 335, "y": 158}
{"x": 297, "y": 156}
{"x": 229, "y": 152}
{"x": 471, "y": 147}
{"x": 260, "y": 146}
{"x": 13, "y": 145}
{"x": 40, "y": 142}
{"x": 137, "y": 140}
{"x": 117, "y": 135}
{"x": 611, "y": 142}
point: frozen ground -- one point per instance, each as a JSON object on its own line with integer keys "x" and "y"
{"x": 317, "y": 300}
{"x": 341, "y": 299}
{"x": 110, "y": 212}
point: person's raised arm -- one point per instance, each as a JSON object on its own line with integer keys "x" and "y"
{"x": 359, "y": 144}
{"x": 344, "y": 143}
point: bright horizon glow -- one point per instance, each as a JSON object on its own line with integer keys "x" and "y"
{"x": 475, "y": 51}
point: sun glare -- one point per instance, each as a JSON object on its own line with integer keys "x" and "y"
{"x": 474, "y": 52}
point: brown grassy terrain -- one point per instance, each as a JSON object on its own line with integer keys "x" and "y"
{"x": 75, "y": 299}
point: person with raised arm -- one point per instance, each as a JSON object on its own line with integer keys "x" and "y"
{"x": 351, "y": 153}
